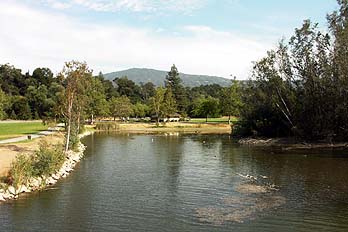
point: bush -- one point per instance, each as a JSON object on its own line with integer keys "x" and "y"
{"x": 108, "y": 126}
{"x": 21, "y": 170}
{"x": 48, "y": 159}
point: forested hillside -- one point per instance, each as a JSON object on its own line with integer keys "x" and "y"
{"x": 157, "y": 77}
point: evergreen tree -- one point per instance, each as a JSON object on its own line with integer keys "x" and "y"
{"x": 169, "y": 106}
{"x": 174, "y": 82}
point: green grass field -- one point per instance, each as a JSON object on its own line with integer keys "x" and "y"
{"x": 17, "y": 129}
{"x": 214, "y": 120}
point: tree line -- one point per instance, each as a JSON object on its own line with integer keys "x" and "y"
{"x": 301, "y": 87}
{"x": 42, "y": 95}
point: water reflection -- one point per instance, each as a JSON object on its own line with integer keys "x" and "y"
{"x": 189, "y": 183}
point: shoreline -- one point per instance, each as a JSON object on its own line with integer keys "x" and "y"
{"x": 39, "y": 183}
{"x": 289, "y": 143}
{"x": 170, "y": 127}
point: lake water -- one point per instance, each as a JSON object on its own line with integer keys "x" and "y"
{"x": 189, "y": 183}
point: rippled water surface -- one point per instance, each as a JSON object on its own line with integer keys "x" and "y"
{"x": 189, "y": 183}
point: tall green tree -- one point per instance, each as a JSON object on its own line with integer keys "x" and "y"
{"x": 338, "y": 25}
{"x": 140, "y": 110}
{"x": 157, "y": 104}
{"x": 97, "y": 104}
{"x": 206, "y": 107}
{"x": 121, "y": 107}
{"x": 74, "y": 73}
{"x": 231, "y": 102}
{"x": 169, "y": 104}
{"x": 174, "y": 82}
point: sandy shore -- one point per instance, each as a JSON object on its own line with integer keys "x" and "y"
{"x": 173, "y": 127}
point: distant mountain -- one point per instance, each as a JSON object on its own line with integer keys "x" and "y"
{"x": 157, "y": 77}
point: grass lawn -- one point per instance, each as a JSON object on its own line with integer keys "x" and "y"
{"x": 12, "y": 130}
{"x": 214, "y": 120}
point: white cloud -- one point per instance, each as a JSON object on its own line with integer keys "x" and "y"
{"x": 30, "y": 38}
{"x": 147, "y": 6}
{"x": 56, "y": 4}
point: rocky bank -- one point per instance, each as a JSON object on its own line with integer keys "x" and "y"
{"x": 35, "y": 184}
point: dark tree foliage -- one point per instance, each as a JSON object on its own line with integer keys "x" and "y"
{"x": 147, "y": 91}
{"x": 12, "y": 81}
{"x": 20, "y": 108}
{"x": 42, "y": 76}
{"x": 213, "y": 90}
{"x": 109, "y": 88}
{"x": 128, "y": 88}
{"x": 301, "y": 88}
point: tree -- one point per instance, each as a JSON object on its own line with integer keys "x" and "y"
{"x": 3, "y": 100}
{"x": 43, "y": 76}
{"x": 97, "y": 104}
{"x": 157, "y": 104}
{"x": 231, "y": 101}
{"x": 109, "y": 89}
{"x": 147, "y": 91}
{"x": 298, "y": 90}
{"x": 12, "y": 81}
{"x": 73, "y": 73}
{"x": 169, "y": 103}
{"x": 140, "y": 110}
{"x": 20, "y": 108}
{"x": 120, "y": 107}
{"x": 37, "y": 100}
{"x": 56, "y": 99}
{"x": 174, "y": 82}
{"x": 205, "y": 107}
{"x": 338, "y": 25}
{"x": 128, "y": 88}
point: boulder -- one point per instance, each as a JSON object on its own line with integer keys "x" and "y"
{"x": 23, "y": 189}
{"x": 12, "y": 190}
{"x": 6, "y": 195}
{"x": 56, "y": 176}
{"x": 2, "y": 197}
{"x": 50, "y": 181}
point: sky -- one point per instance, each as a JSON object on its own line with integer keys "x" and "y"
{"x": 210, "y": 37}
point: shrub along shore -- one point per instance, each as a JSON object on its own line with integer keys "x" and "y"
{"x": 37, "y": 171}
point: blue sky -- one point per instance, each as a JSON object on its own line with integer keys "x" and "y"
{"x": 214, "y": 37}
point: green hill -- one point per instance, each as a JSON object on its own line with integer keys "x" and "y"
{"x": 157, "y": 77}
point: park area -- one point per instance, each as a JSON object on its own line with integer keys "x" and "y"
{"x": 13, "y": 129}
